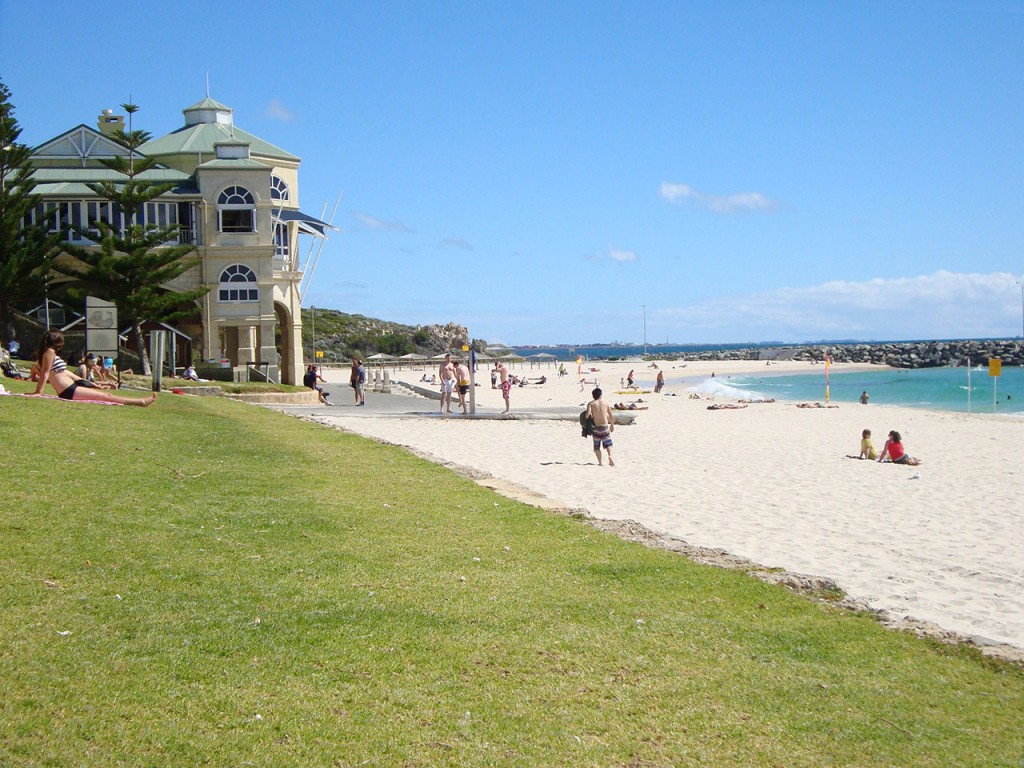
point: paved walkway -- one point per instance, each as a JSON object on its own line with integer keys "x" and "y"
{"x": 395, "y": 405}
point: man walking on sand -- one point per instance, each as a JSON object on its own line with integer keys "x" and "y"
{"x": 446, "y": 373}
{"x": 604, "y": 425}
{"x": 506, "y": 385}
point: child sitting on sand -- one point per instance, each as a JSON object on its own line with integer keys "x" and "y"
{"x": 867, "y": 450}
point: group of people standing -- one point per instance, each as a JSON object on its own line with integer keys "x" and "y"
{"x": 357, "y": 380}
{"x": 455, "y": 379}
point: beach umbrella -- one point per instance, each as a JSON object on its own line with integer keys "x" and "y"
{"x": 542, "y": 357}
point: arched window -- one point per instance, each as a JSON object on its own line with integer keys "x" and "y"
{"x": 238, "y": 283}
{"x": 236, "y": 210}
{"x": 279, "y": 190}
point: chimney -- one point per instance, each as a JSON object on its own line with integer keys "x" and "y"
{"x": 109, "y": 122}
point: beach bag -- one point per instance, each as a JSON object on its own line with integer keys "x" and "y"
{"x": 587, "y": 424}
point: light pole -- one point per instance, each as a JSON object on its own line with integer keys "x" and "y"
{"x": 645, "y": 327}
{"x": 1021, "y": 308}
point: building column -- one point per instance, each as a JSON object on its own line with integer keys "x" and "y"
{"x": 297, "y": 361}
{"x": 268, "y": 350}
{"x": 246, "y": 344}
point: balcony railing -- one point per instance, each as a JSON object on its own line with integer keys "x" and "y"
{"x": 186, "y": 236}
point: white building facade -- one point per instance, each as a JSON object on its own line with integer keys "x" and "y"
{"x": 235, "y": 197}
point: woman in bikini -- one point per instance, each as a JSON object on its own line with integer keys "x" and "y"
{"x": 66, "y": 384}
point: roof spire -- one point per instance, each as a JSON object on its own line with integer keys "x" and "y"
{"x": 207, "y": 85}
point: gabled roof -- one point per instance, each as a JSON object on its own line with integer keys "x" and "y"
{"x": 200, "y": 138}
{"x": 80, "y": 143}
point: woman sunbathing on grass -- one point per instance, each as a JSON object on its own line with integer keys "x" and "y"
{"x": 66, "y": 384}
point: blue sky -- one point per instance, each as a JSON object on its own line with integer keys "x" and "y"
{"x": 542, "y": 171}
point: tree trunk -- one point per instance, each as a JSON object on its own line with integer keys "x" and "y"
{"x": 4, "y": 321}
{"x": 140, "y": 342}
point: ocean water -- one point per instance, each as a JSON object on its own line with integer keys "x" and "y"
{"x": 940, "y": 389}
{"x": 626, "y": 351}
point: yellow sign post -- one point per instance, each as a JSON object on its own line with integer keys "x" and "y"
{"x": 319, "y": 353}
{"x": 995, "y": 370}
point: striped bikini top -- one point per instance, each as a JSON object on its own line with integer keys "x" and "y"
{"x": 59, "y": 366}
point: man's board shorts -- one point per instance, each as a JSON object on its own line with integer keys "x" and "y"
{"x": 447, "y": 386}
{"x": 602, "y": 436}
{"x": 506, "y": 387}
{"x": 463, "y": 389}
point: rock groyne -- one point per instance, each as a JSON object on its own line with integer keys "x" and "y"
{"x": 908, "y": 354}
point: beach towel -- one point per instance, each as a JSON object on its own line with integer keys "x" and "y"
{"x": 587, "y": 424}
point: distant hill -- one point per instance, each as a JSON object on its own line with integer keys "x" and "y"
{"x": 341, "y": 336}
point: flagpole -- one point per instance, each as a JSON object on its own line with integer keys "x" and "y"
{"x": 828, "y": 360}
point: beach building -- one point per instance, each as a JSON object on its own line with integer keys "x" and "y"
{"x": 235, "y": 197}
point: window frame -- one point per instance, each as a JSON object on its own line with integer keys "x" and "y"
{"x": 234, "y": 285}
{"x": 240, "y": 206}
{"x": 279, "y": 189}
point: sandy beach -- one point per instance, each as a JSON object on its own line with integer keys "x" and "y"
{"x": 941, "y": 543}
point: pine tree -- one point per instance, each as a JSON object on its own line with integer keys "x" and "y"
{"x": 133, "y": 263}
{"x": 25, "y": 251}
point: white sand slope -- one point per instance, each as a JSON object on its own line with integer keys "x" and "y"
{"x": 942, "y": 542}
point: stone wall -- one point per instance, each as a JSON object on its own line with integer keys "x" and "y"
{"x": 911, "y": 354}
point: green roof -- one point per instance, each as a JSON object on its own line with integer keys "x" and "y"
{"x": 200, "y": 138}
{"x": 207, "y": 103}
{"x": 49, "y": 175}
{"x": 238, "y": 162}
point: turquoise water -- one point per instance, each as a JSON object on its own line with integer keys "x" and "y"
{"x": 941, "y": 389}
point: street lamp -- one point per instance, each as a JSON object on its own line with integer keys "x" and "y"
{"x": 1021, "y": 308}
{"x": 645, "y": 327}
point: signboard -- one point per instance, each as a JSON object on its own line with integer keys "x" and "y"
{"x": 995, "y": 367}
{"x": 319, "y": 353}
{"x": 100, "y": 326}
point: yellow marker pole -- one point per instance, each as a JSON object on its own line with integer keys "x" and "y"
{"x": 995, "y": 370}
{"x": 828, "y": 360}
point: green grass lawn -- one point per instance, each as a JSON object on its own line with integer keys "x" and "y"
{"x": 208, "y": 583}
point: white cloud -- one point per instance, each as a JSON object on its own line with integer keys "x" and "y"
{"x": 621, "y": 256}
{"x": 278, "y": 111}
{"x": 943, "y": 305}
{"x": 380, "y": 224}
{"x": 739, "y": 202}
{"x": 456, "y": 242}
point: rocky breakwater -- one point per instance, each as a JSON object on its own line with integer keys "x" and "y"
{"x": 923, "y": 354}
{"x": 908, "y": 354}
